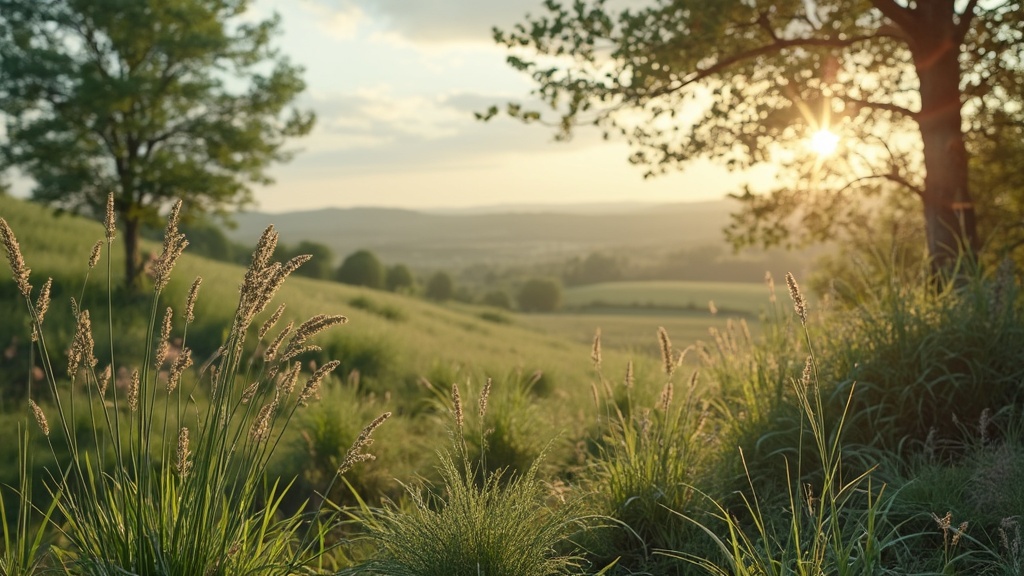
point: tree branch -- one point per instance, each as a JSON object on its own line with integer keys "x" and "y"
{"x": 899, "y": 15}
{"x": 774, "y": 46}
{"x": 878, "y": 106}
{"x": 965, "y": 21}
{"x": 891, "y": 176}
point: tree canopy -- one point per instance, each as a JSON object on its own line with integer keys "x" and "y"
{"x": 361, "y": 268}
{"x": 540, "y": 295}
{"x": 440, "y": 287}
{"x": 912, "y": 88}
{"x": 149, "y": 99}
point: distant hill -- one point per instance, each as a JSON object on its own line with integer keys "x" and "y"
{"x": 508, "y": 235}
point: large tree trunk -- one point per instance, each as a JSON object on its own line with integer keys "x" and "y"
{"x": 132, "y": 261}
{"x": 948, "y": 210}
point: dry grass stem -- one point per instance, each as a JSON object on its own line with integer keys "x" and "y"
{"x": 40, "y": 417}
{"x": 629, "y": 380}
{"x": 484, "y": 395}
{"x": 174, "y": 245}
{"x": 665, "y": 402}
{"x": 15, "y": 259}
{"x": 313, "y": 384}
{"x": 82, "y": 345}
{"x": 457, "y": 407}
{"x": 271, "y": 322}
{"x": 109, "y": 220}
{"x": 181, "y": 363}
{"x": 798, "y": 298}
{"x": 163, "y": 346}
{"x": 667, "y": 359}
{"x": 104, "y": 380}
{"x": 190, "y": 302}
{"x": 260, "y": 429}
{"x": 183, "y": 463}
{"x": 289, "y": 379}
{"x": 275, "y": 344}
{"x": 94, "y": 256}
{"x": 771, "y": 286}
{"x": 133, "y": 391}
{"x": 307, "y": 330}
{"x": 355, "y": 454}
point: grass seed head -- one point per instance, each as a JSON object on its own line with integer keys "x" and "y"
{"x": 665, "y": 402}
{"x": 667, "y": 359}
{"x": 798, "y": 298}
{"x": 270, "y": 322}
{"x": 133, "y": 391}
{"x": 104, "y": 380}
{"x": 355, "y": 454}
{"x": 15, "y": 259}
{"x": 190, "y": 302}
{"x": 183, "y": 463}
{"x": 629, "y": 380}
{"x": 313, "y": 384}
{"x": 174, "y": 245}
{"x": 484, "y": 395}
{"x": 82, "y": 346}
{"x": 260, "y": 429}
{"x": 42, "y": 305}
{"x": 595, "y": 351}
{"x": 181, "y": 363}
{"x": 457, "y": 406}
{"x": 109, "y": 220}
{"x": 275, "y": 344}
{"x": 164, "y": 344}
{"x": 40, "y": 417}
{"x": 94, "y": 256}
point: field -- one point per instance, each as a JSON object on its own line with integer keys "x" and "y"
{"x": 748, "y": 299}
{"x": 828, "y": 442}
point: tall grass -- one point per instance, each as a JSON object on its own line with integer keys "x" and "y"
{"x": 168, "y": 476}
{"x": 478, "y": 522}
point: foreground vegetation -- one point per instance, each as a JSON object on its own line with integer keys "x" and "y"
{"x": 883, "y": 437}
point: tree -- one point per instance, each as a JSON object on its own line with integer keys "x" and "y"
{"x": 596, "y": 267}
{"x": 440, "y": 287}
{"x": 540, "y": 295}
{"x": 902, "y": 82}
{"x": 320, "y": 265}
{"x": 150, "y": 100}
{"x": 497, "y": 299}
{"x": 399, "y": 278}
{"x": 361, "y": 268}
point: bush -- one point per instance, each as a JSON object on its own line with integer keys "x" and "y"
{"x": 540, "y": 295}
{"x": 440, "y": 287}
{"x": 497, "y": 299}
{"x": 361, "y": 268}
{"x": 399, "y": 279}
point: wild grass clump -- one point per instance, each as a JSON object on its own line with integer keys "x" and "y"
{"x": 924, "y": 360}
{"x": 162, "y": 466}
{"x": 647, "y": 460}
{"x": 477, "y": 522}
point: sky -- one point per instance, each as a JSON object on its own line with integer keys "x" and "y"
{"x": 395, "y": 83}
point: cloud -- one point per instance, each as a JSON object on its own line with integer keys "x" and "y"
{"x": 441, "y": 21}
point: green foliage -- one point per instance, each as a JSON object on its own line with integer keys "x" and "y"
{"x": 320, "y": 265}
{"x": 440, "y": 287}
{"x": 361, "y": 268}
{"x": 540, "y": 295}
{"x": 399, "y": 279}
{"x": 153, "y": 101}
{"x": 497, "y": 299}
{"x": 745, "y": 84}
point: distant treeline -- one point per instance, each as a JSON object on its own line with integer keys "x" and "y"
{"x": 528, "y": 287}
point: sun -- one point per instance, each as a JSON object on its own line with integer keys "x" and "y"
{"x": 824, "y": 142}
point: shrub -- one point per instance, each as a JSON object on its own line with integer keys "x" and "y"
{"x": 440, "y": 287}
{"x": 540, "y": 295}
{"x": 497, "y": 299}
{"x": 399, "y": 279}
{"x": 361, "y": 268}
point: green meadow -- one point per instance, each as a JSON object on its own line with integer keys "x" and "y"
{"x": 877, "y": 436}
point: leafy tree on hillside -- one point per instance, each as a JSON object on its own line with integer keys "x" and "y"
{"x": 322, "y": 263}
{"x": 399, "y": 279}
{"x": 440, "y": 287}
{"x": 361, "y": 268}
{"x": 540, "y": 295}
{"x": 151, "y": 100}
{"x": 497, "y": 299}
{"x": 912, "y": 88}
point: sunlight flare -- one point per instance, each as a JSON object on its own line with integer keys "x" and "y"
{"x": 824, "y": 142}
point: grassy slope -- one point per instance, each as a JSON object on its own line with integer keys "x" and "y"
{"x": 437, "y": 343}
{"x": 749, "y": 298}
